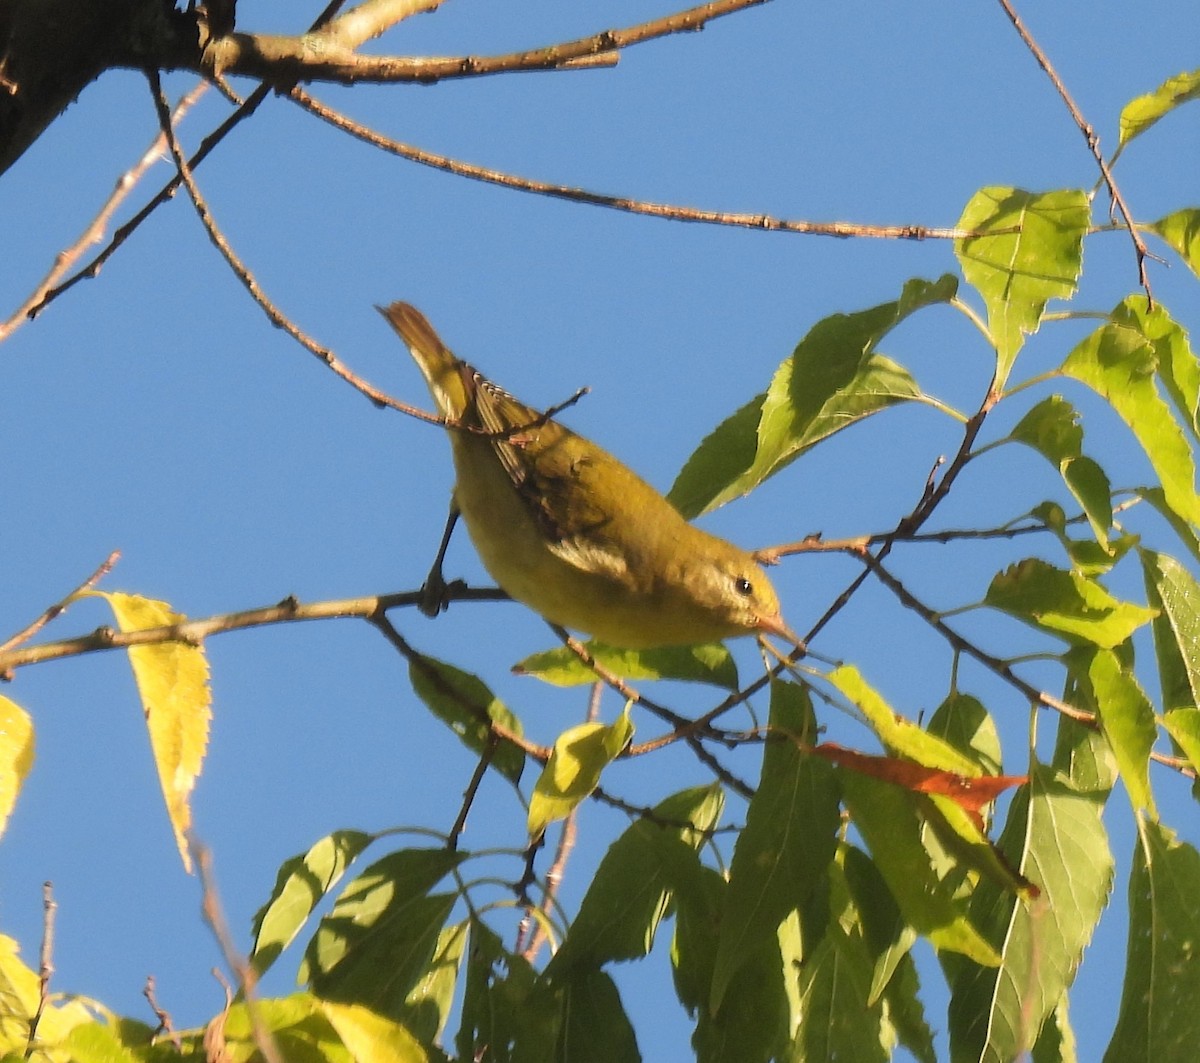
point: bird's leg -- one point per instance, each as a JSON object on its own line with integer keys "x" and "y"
{"x": 435, "y": 590}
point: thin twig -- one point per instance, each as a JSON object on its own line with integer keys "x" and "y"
{"x": 485, "y": 758}
{"x": 165, "y": 1023}
{"x": 1093, "y": 143}
{"x": 60, "y": 607}
{"x": 93, "y": 234}
{"x": 668, "y": 211}
{"x": 45, "y": 966}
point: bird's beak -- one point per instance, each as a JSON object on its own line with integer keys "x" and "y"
{"x": 773, "y": 624}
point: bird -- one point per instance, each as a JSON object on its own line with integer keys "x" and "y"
{"x": 569, "y": 530}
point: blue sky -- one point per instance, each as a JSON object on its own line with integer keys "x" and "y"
{"x": 154, "y": 410}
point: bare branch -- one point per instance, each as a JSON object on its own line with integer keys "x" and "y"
{"x": 45, "y": 966}
{"x": 58, "y": 608}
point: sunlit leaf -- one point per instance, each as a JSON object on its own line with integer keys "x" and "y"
{"x": 573, "y": 771}
{"x": 1017, "y": 273}
{"x": 888, "y": 819}
{"x": 377, "y": 942}
{"x": 896, "y": 733}
{"x": 302, "y": 882}
{"x": 172, "y": 682}
{"x": 789, "y": 839}
{"x": 1127, "y": 720}
{"x": 95, "y": 1042}
{"x": 16, "y": 754}
{"x": 962, "y": 721}
{"x": 1177, "y": 365}
{"x": 707, "y": 663}
{"x": 464, "y": 703}
{"x": 1158, "y": 1017}
{"x": 1174, "y": 590}
{"x": 834, "y": 378}
{"x": 632, "y": 888}
{"x": 1183, "y": 725}
{"x": 1065, "y": 603}
{"x": 1054, "y": 835}
{"x": 372, "y": 1038}
{"x": 1140, "y": 113}
{"x": 1119, "y": 361}
{"x": 1181, "y": 230}
{"x": 1052, "y": 429}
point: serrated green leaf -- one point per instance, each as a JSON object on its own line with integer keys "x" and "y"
{"x": 1158, "y": 1017}
{"x": 631, "y": 891}
{"x": 1171, "y": 588}
{"x": 1127, "y": 720}
{"x": 887, "y": 818}
{"x": 1119, "y": 361}
{"x": 1187, "y": 534}
{"x": 1065, "y": 603}
{"x": 834, "y": 378}
{"x": 300, "y": 885}
{"x": 377, "y": 942}
{"x": 373, "y": 1038}
{"x": 16, "y": 754}
{"x": 595, "y": 1028}
{"x": 1018, "y": 273}
{"x": 1054, "y": 834}
{"x": 1140, "y": 113}
{"x": 464, "y": 703}
{"x": 1181, "y": 230}
{"x": 1177, "y": 365}
{"x": 962, "y": 721}
{"x": 899, "y": 735}
{"x": 172, "y": 682}
{"x": 789, "y": 839}
{"x": 706, "y": 663}
{"x": 580, "y": 754}
{"x": 1056, "y": 1042}
{"x": 1052, "y": 429}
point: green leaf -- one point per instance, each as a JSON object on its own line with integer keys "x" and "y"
{"x": 835, "y": 377}
{"x": 1065, "y": 603}
{"x": 465, "y": 704}
{"x": 896, "y": 733}
{"x": 595, "y": 1028}
{"x": 500, "y": 1003}
{"x": 1176, "y": 594}
{"x": 1018, "y": 273}
{"x": 1186, "y": 532}
{"x": 1140, "y": 113}
{"x": 962, "y": 721}
{"x": 1119, "y": 362}
{"x": 887, "y": 818}
{"x": 698, "y": 906}
{"x": 373, "y": 1038}
{"x": 632, "y": 888}
{"x": 888, "y": 937}
{"x": 1158, "y": 1017}
{"x": 94, "y": 1042}
{"x": 1127, "y": 720}
{"x": 573, "y": 771}
{"x": 300, "y": 885}
{"x": 1183, "y": 725}
{"x": 1056, "y": 1042}
{"x": 1181, "y": 230}
{"x": 789, "y": 839}
{"x": 1052, "y": 429}
{"x": 1178, "y": 367}
{"x": 427, "y": 1006}
{"x": 1054, "y": 835}
{"x": 707, "y": 663}
{"x": 378, "y": 940}
{"x": 16, "y": 754}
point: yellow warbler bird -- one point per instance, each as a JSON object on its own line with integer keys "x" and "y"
{"x": 566, "y": 528}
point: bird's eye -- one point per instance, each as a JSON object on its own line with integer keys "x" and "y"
{"x": 743, "y": 586}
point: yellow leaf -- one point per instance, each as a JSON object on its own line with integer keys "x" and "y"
{"x": 172, "y": 681}
{"x": 370, "y": 1037}
{"x": 16, "y": 754}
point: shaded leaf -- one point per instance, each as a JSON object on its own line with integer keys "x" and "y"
{"x": 1018, "y": 273}
{"x": 1127, "y": 720}
{"x": 580, "y": 754}
{"x": 300, "y": 885}
{"x": 464, "y": 703}
{"x": 16, "y": 754}
{"x": 1052, "y": 429}
{"x": 1068, "y": 604}
{"x": 172, "y": 682}
{"x": 1181, "y": 230}
{"x": 595, "y": 1028}
{"x": 427, "y": 1006}
{"x": 501, "y": 1003}
{"x": 887, "y": 818}
{"x": 1140, "y": 113}
{"x": 378, "y": 940}
{"x": 1158, "y": 1017}
{"x": 1056, "y": 1042}
{"x": 1119, "y": 362}
{"x": 706, "y": 663}
{"x": 834, "y": 378}
{"x": 962, "y": 721}
{"x": 1176, "y": 594}
{"x": 787, "y": 843}
{"x": 632, "y": 888}
{"x": 888, "y": 937}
